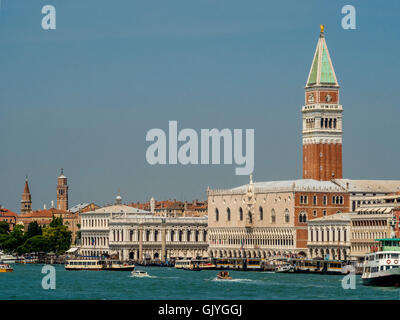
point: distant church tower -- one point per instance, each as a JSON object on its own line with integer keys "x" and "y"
{"x": 62, "y": 192}
{"x": 26, "y": 200}
{"x": 322, "y": 119}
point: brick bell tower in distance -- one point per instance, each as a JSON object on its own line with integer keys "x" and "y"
{"x": 322, "y": 119}
{"x": 62, "y": 192}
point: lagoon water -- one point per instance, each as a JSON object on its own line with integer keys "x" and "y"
{"x": 170, "y": 284}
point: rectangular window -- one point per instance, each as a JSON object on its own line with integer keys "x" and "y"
{"x": 314, "y": 200}
{"x": 325, "y": 201}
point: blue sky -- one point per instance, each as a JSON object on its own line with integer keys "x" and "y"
{"x": 83, "y": 96}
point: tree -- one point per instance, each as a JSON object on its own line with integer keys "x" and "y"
{"x": 56, "y": 222}
{"x": 37, "y": 243}
{"x": 18, "y": 234}
{"x": 8, "y": 243}
{"x": 58, "y": 236}
{"x": 4, "y": 227}
{"x": 33, "y": 230}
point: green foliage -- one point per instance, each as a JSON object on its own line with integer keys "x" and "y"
{"x": 11, "y": 240}
{"x": 56, "y": 222}
{"x": 58, "y": 236}
{"x": 18, "y": 234}
{"x": 33, "y": 230}
{"x": 37, "y": 243}
{"x": 8, "y": 243}
{"x": 4, "y": 227}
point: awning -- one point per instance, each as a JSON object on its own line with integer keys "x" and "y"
{"x": 72, "y": 250}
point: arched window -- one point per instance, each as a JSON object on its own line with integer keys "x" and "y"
{"x": 302, "y": 217}
{"x": 261, "y": 213}
{"x": 287, "y": 217}
{"x": 228, "y": 214}
{"x": 273, "y": 216}
{"x": 216, "y": 214}
{"x": 240, "y": 214}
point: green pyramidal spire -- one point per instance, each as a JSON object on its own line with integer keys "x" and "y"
{"x": 322, "y": 72}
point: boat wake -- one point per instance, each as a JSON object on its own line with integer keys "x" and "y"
{"x": 138, "y": 276}
{"x": 234, "y": 280}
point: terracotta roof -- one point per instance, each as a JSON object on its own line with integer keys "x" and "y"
{"x": 48, "y": 213}
{"x": 7, "y": 213}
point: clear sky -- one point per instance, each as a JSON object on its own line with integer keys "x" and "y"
{"x": 83, "y": 96}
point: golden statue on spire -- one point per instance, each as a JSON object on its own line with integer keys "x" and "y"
{"x": 322, "y": 28}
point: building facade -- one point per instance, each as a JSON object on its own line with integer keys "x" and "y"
{"x": 330, "y": 237}
{"x": 141, "y": 236}
{"x": 131, "y": 233}
{"x": 9, "y": 217}
{"x": 269, "y": 219}
{"x": 375, "y": 220}
{"x": 173, "y": 208}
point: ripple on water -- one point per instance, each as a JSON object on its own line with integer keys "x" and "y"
{"x": 169, "y": 283}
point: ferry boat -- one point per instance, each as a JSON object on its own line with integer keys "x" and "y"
{"x": 5, "y": 268}
{"x": 183, "y": 264}
{"x": 98, "y": 265}
{"x": 194, "y": 264}
{"x": 381, "y": 268}
{"x": 318, "y": 266}
{"x": 245, "y": 264}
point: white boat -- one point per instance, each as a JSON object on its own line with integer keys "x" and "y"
{"x": 7, "y": 258}
{"x": 139, "y": 273}
{"x": 381, "y": 268}
{"x": 284, "y": 268}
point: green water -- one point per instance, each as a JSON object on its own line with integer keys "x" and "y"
{"x": 167, "y": 283}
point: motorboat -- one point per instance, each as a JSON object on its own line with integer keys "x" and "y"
{"x": 4, "y": 267}
{"x": 286, "y": 268}
{"x": 139, "y": 273}
{"x": 224, "y": 275}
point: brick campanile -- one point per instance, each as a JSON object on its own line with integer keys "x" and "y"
{"x": 26, "y": 199}
{"x": 322, "y": 119}
{"x": 62, "y": 192}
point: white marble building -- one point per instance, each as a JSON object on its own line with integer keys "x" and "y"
{"x": 133, "y": 233}
{"x": 330, "y": 237}
{"x": 145, "y": 236}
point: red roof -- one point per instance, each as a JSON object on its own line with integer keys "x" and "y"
{"x": 7, "y": 213}
{"x": 48, "y": 213}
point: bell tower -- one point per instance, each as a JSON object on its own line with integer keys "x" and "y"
{"x": 26, "y": 199}
{"x": 322, "y": 119}
{"x": 62, "y": 192}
